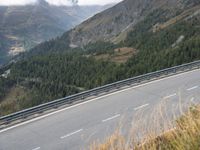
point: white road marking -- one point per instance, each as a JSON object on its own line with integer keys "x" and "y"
{"x": 110, "y": 118}
{"x": 70, "y": 134}
{"x": 192, "y": 88}
{"x": 89, "y": 101}
{"x": 169, "y": 96}
{"x": 140, "y": 107}
{"x": 36, "y": 148}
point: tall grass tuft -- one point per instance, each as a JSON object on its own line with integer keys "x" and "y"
{"x": 179, "y": 130}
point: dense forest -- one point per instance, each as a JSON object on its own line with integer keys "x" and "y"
{"x": 53, "y": 70}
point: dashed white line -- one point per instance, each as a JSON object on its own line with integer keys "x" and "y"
{"x": 192, "y": 88}
{"x": 70, "y": 134}
{"x": 140, "y": 107}
{"x": 36, "y": 148}
{"x": 110, "y": 118}
{"x": 169, "y": 96}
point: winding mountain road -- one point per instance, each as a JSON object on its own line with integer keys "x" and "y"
{"x": 75, "y": 127}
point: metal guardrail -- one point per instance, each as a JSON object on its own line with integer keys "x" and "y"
{"x": 84, "y": 96}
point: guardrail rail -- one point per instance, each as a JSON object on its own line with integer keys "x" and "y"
{"x": 103, "y": 90}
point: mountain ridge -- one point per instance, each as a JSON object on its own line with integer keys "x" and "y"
{"x": 114, "y": 21}
{"x": 23, "y": 27}
{"x": 101, "y": 26}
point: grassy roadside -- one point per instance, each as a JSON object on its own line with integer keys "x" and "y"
{"x": 184, "y": 135}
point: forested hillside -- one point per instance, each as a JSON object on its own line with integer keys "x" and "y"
{"x": 54, "y": 70}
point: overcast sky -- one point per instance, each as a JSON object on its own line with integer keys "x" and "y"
{"x": 57, "y": 2}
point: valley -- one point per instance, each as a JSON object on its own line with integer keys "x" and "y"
{"x": 23, "y": 27}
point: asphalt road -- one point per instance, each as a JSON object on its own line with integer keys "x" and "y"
{"x": 75, "y": 127}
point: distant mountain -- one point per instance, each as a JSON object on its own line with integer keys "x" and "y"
{"x": 23, "y": 27}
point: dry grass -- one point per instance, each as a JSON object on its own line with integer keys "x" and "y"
{"x": 176, "y": 19}
{"x": 11, "y": 102}
{"x": 120, "y": 55}
{"x": 185, "y": 136}
{"x": 159, "y": 132}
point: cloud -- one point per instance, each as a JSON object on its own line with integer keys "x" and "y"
{"x": 61, "y": 2}
{"x": 16, "y": 2}
{"x": 26, "y": 2}
{"x": 82, "y": 2}
{"x": 58, "y": 2}
{"x": 99, "y": 2}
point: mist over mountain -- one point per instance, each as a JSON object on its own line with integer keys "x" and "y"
{"x": 33, "y": 2}
{"x": 23, "y": 27}
{"x": 58, "y": 2}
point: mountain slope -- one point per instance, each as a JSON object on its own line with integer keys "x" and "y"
{"x": 23, "y": 27}
{"x": 113, "y": 22}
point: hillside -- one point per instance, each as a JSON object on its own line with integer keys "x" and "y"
{"x": 114, "y": 24}
{"x": 162, "y": 38}
{"x": 23, "y": 27}
{"x": 111, "y": 24}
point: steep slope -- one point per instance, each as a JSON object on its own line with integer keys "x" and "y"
{"x": 23, "y": 27}
{"x": 113, "y": 22}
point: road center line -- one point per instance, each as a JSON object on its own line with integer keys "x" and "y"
{"x": 192, "y": 88}
{"x": 140, "y": 107}
{"x": 36, "y": 148}
{"x": 110, "y": 118}
{"x": 169, "y": 96}
{"x": 70, "y": 134}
